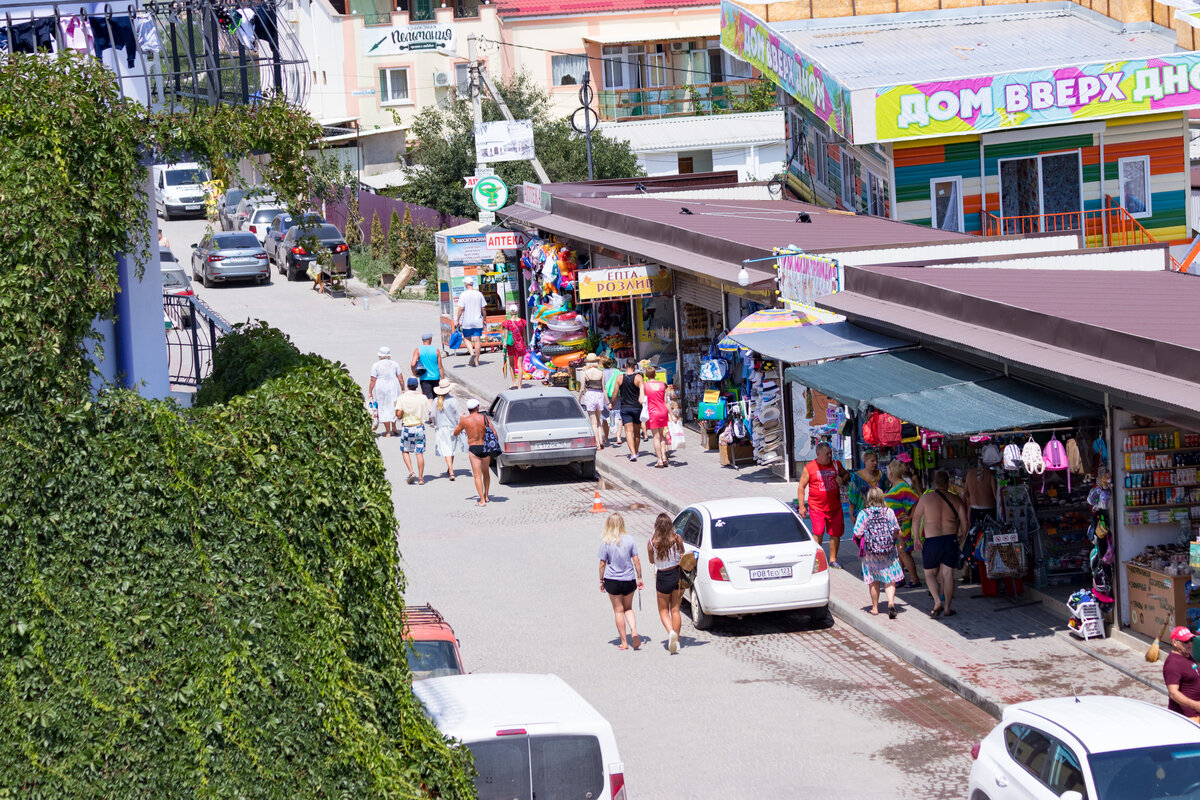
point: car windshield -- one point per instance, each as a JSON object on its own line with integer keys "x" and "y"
{"x": 756, "y": 530}
{"x": 1148, "y": 773}
{"x": 540, "y": 409}
{"x": 182, "y": 177}
{"x": 233, "y": 197}
{"x": 235, "y": 241}
{"x": 430, "y": 659}
{"x": 174, "y": 278}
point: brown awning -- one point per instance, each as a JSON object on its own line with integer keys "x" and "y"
{"x": 639, "y": 247}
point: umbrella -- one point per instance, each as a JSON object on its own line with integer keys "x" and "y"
{"x": 727, "y": 345}
{"x": 769, "y": 319}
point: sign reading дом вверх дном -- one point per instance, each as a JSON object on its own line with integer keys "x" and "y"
{"x": 406, "y": 38}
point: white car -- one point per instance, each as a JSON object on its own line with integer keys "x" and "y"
{"x": 753, "y": 554}
{"x": 258, "y": 221}
{"x": 532, "y": 736}
{"x": 179, "y": 189}
{"x": 1093, "y": 748}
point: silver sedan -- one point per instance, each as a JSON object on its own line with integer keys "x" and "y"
{"x": 543, "y": 427}
{"x": 221, "y": 257}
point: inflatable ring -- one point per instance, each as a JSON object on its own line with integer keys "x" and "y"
{"x": 566, "y": 358}
{"x": 559, "y": 324}
{"x": 551, "y": 350}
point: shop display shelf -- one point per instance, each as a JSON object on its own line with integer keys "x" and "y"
{"x": 1162, "y": 452}
{"x": 1165, "y": 486}
{"x": 1150, "y": 429}
{"x": 1163, "y": 505}
{"x": 1160, "y": 469}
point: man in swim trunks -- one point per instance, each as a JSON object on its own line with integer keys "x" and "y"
{"x": 823, "y": 479}
{"x": 474, "y": 423}
{"x": 979, "y": 493}
{"x": 939, "y": 526}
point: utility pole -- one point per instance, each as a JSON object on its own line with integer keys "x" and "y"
{"x": 585, "y": 98}
{"x": 474, "y": 69}
{"x": 479, "y": 70}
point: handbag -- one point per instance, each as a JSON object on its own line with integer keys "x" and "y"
{"x": 456, "y": 340}
{"x": 645, "y": 415}
{"x": 491, "y": 444}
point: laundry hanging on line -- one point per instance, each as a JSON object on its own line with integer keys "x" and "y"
{"x": 122, "y": 34}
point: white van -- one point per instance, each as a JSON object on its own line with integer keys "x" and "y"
{"x": 179, "y": 189}
{"x": 532, "y": 736}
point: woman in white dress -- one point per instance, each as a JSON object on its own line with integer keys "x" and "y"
{"x": 385, "y": 388}
{"x": 447, "y": 412}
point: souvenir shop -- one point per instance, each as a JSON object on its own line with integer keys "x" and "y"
{"x": 1050, "y": 522}
{"x": 461, "y": 252}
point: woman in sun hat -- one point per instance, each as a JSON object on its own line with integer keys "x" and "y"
{"x": 384, "y": 389}
{"x": 447, "y": 413}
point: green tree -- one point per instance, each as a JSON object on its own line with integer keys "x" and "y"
{"x": 378, "y": 243}
{"x": 395, "y": 242}
{"x": 444, "y": 152}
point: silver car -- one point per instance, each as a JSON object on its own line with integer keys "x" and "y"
{"x": 221, "y": 257}
{"x": 543, "y": 427}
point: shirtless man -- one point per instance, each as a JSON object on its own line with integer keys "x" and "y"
{"x": 474, "y": 424}
{"x": 980, "y": 492}
{"x": 939, "y": 526}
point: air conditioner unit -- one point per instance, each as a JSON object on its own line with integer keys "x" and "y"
{"x": 679, "y": 47}
{"x": 443, "y": 79}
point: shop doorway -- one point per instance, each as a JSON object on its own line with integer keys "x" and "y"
{"x": 1041, "y": 193}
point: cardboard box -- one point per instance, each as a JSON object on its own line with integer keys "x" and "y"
{"x": 709, "y": 439}
{"x": 740, "y": 452}
{"x": 1155, "y": 599}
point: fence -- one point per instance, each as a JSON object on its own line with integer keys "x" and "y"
{"x": 370, "y": 204}
{"x": 192, "y": 329}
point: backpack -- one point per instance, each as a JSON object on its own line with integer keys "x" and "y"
{"x": 991, "y": 455}
{"x": 879, "y": 536}
{"x": 1054, "y": 459}
{"x": 869, "y": 434}
{"x": 1012, "y": 456}
{"x": 1074, "y": 458}
{"x": 887, "y": 428}
{"x": 1031, "y": 458}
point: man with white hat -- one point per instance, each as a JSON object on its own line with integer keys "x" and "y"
{"x": 471, "y": 304}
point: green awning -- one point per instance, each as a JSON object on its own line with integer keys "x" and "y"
{"x": 940, "y": 394}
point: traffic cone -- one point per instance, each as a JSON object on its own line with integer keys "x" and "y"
{"x": 597, "y": 506}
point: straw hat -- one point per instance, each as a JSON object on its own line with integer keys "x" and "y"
{"x": 592, "y": 358}
{"x": 384, "y": 352}
{"x": 442, "y": 388}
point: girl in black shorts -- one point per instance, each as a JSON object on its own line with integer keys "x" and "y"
{"x": 620, "y": 575}
{"x": 665, "y": 549}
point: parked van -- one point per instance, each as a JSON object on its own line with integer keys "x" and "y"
{"x": 179, "y": 189}
{"x": 532, "y": 736}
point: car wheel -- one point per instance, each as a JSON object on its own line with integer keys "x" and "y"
{"x": 587, "y": 470}
{"x": 822, "y": 617}
{"x": 505, "y": 475}
{"x": 206, "y": 281}
{"x": 263, "y": 280}
{"x": 166, "y": 215}
{"x": 292, "y": 273}
{"x": 700, "y": 620}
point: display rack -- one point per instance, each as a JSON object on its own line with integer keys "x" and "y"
{"x": 1061, "y": 545}
{"x": 1162, "y": 482}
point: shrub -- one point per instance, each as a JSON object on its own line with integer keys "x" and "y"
{"x": 378, "y": 243}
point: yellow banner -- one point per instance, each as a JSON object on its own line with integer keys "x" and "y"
{"x": 625, "y": 281}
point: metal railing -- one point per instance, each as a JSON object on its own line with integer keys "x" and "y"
{"x": 1111, "y": 226}
{"x": 193, "y": 329}
{"x": 673, "y": 101}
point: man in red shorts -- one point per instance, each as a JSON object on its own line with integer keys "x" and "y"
{"x": 824, "y": 479}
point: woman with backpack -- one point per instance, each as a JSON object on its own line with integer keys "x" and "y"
{"x": 876, "y": 531}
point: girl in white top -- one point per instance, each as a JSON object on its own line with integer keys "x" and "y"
{"x": 384, "y": 389}
{"x": 665, "y": 550}
{"x": 447, "y": 413}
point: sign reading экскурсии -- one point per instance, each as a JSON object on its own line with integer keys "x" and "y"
{"x": 623, "y": 281}
{"x": 404, "y": 38}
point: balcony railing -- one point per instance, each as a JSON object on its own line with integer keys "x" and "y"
{"x": 673, "y": 101}
{"x": 193, "y": 329}
{"x": 1111, "y": 226}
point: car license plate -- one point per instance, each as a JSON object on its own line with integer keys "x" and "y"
{"x": 192, "y": 208}
{"x": 549, "y": 445}
{"x": 770, "y": 573}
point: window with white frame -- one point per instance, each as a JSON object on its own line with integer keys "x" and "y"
{"x": 848, "y": 195}
{"x": 393, "y": 86}
{"x": 946, "y": 203}
{"x": 568, "y": 70}
{"x": 462, "y": 80}
{"x": 1134, "y": 175}
{"x": 795, "y": 135}
{"x": 820, "y": 158}
{"x": 876, "y": 195}
{"x": 623, "y": 66}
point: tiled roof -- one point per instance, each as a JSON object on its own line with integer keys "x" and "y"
{"x": 554, "y": 8}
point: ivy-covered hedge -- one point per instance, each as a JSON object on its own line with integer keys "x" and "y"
{"x": 193, "y": 603}
{"x": 207, "y": 603}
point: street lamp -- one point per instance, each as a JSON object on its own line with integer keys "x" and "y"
{"x": 743, "y": 277}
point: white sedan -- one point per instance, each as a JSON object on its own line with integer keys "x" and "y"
{"x": 753, "y": 554}
{"x": 1087, "y": 748}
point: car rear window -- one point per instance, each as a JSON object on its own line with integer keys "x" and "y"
{"x": 167, "y": 255}
{"x": 432, "y": 659}
{"x": 265, "y": 214}
{"x": 174, "y": 278}
{"x": 328, "y": 232}
{"x": 756, "y": 530}
{"x": 541, "y": 409}
{"x": 526, "y": 767}
{"x": 235, "y": 241}
{"x": 233, "y": 197}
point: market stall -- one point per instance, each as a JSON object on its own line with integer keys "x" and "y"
{"x": 462, "y": 252}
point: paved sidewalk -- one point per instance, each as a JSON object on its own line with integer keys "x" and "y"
{"x": 993, "y": 652}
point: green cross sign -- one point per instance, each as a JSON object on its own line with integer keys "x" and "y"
{"x": 490, "y": 193}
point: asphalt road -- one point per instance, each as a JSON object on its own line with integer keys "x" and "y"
{"x": 763, "y": 707}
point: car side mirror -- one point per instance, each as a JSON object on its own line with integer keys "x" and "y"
{"x": 193, "y": 245}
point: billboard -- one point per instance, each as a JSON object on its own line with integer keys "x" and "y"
{"x": 803, "y": 278}
{"x": 749, "y": 38}
{"x": 504, "y": 140}
{"x": 1038, "y": 97}
{"x": 397, "y": 39}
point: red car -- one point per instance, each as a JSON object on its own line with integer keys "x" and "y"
{"x": 431, "y": 645}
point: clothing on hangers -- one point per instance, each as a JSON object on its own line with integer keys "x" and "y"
{"x": 29, "y": 37}
{"x": 122, "y": 36}
{"x": 146, "y": 34}
{"x": 265, "y": 27}
{"x": 76, "y": 34}
{"x": 244, "y": 19}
